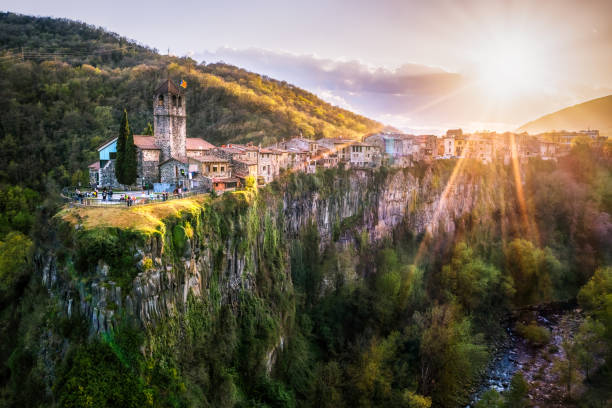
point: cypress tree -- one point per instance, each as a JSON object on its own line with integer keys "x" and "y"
{"x": 124, "y": 131}
{"x": 130, "y": 165}
{"x": 148, "y": 131}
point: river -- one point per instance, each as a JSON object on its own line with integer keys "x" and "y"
{"x": 535, "y": 363}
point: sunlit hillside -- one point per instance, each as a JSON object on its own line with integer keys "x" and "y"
{"x": 65, "y": 83}
{"x": 593, "y": 114}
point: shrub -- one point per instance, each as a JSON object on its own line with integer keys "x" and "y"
{"x": 536, "y": 335}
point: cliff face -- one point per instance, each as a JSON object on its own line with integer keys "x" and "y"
{"x": 218, "y": 252}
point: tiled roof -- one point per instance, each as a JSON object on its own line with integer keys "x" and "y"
{"x": 246, "y": 161}
{"x": 145, "y": 142}
{"x": 232, "y": 149}
{"x": 210, "y": 159}
{"x": 225, "y": 179}
{"x": 178, "y": 159}
{"x": 95, "y": 165}
{"x": 195, "y": 143}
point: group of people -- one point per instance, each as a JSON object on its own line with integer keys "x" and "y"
{"x": 107, "y": 195}
{"x": 129, "y": 200}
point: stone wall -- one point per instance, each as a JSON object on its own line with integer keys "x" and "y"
{"x": 170, "y": 172}
{"x": 107, "y": 176}
{"x": 170, "y": 127}
{"x": 148, "y": 166}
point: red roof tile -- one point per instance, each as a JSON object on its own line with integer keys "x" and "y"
{"x": 145, "y": 142}
{"x": 195, "y": 143}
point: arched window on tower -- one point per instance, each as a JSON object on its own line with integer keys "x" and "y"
{"x": 160, "y": 100}
{"x": 174, "y": 100}
{"x": 180, "y": 100}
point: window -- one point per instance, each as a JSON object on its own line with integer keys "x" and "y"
{"x": 214, "y": 169}
{"x": 180, "y": 101}
{"x": 112, "y": 155}
{"x": 160, "y": 100}
{"x": 222, "y": 168}
{"x": 208, "y": 168}
{"x": 173, "y": 100}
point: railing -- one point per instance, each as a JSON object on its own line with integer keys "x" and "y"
{"x": 99, "y": 201}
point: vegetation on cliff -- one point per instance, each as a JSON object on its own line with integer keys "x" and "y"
{"x": 318, "y": 318}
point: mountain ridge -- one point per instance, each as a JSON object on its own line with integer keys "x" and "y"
{"x": 592, "y": 114}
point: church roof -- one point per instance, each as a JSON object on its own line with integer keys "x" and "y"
{"x": 168, "y": 87}
{"x": 145, "y": 142}
{"x": 195, "y": 143}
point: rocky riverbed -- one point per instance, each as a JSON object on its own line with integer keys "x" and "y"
{"x": 535, "y": 363}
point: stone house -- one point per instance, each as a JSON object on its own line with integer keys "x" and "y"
{"x": 397, "y": 149}
{"x": 268, "y": 166}
{"x": 339, "y": 147}
{"x": 446, "y": 147}
{"x": 300, "y": 143}
{"x": 175, "y": 172}
{"x": 364, "y": 155}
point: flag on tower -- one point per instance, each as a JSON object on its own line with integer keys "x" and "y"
{"x": 183, "y": 83}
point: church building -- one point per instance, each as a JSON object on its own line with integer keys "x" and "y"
{"x": 167, "y": 156}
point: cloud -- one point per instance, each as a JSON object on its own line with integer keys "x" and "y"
{"x": 348, "y": 76}
{"x": 412, "y": 97}
{"x": 372, "y": 91}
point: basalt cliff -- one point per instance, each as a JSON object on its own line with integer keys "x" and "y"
{"x": 219, "y": 247}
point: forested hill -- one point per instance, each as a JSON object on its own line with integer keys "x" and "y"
{"x": 65, "y": 83}
{"x": 593, "y": 114}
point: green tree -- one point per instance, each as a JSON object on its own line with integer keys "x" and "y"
{"x": 533, "y": 270}
{"x": 567, "y": 368}
{"x": 593, "y": 295}
{"x": 130, "y": 164}
{"x": 451, "y": 356}
{"x": 516, "y": 396}
{"x": 14, "y": 263}
{"x": 148, "y": 131}
{"x": 326, "y": 392}
{"x": 490, "y": 399}
{"x": 590, "y": 344}
{"x": 468, "y": 278}
{"x": 124, "y": 132}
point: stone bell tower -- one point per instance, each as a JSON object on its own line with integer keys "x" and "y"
{"x": 169, "y": 121}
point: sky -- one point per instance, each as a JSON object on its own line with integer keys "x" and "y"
{"x": 420, "y": 66}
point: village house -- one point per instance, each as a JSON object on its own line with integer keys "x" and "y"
{"x": 424, "y": 147}
{"x": 454, "y": 133}
{"x": 339, "y": 147}
{"x": 300, "y": 143}
{"x": 446, "y": 147}
{"x": 214, "y": 173}
{"x": 268, "y": 166}
{"x": 364, "y": 155}
{"x": 397, "y": 149}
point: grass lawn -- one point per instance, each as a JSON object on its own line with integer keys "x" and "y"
{"x": 145, "y": 218}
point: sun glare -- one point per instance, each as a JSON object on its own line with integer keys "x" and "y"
{"x": 509, "y": 68}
